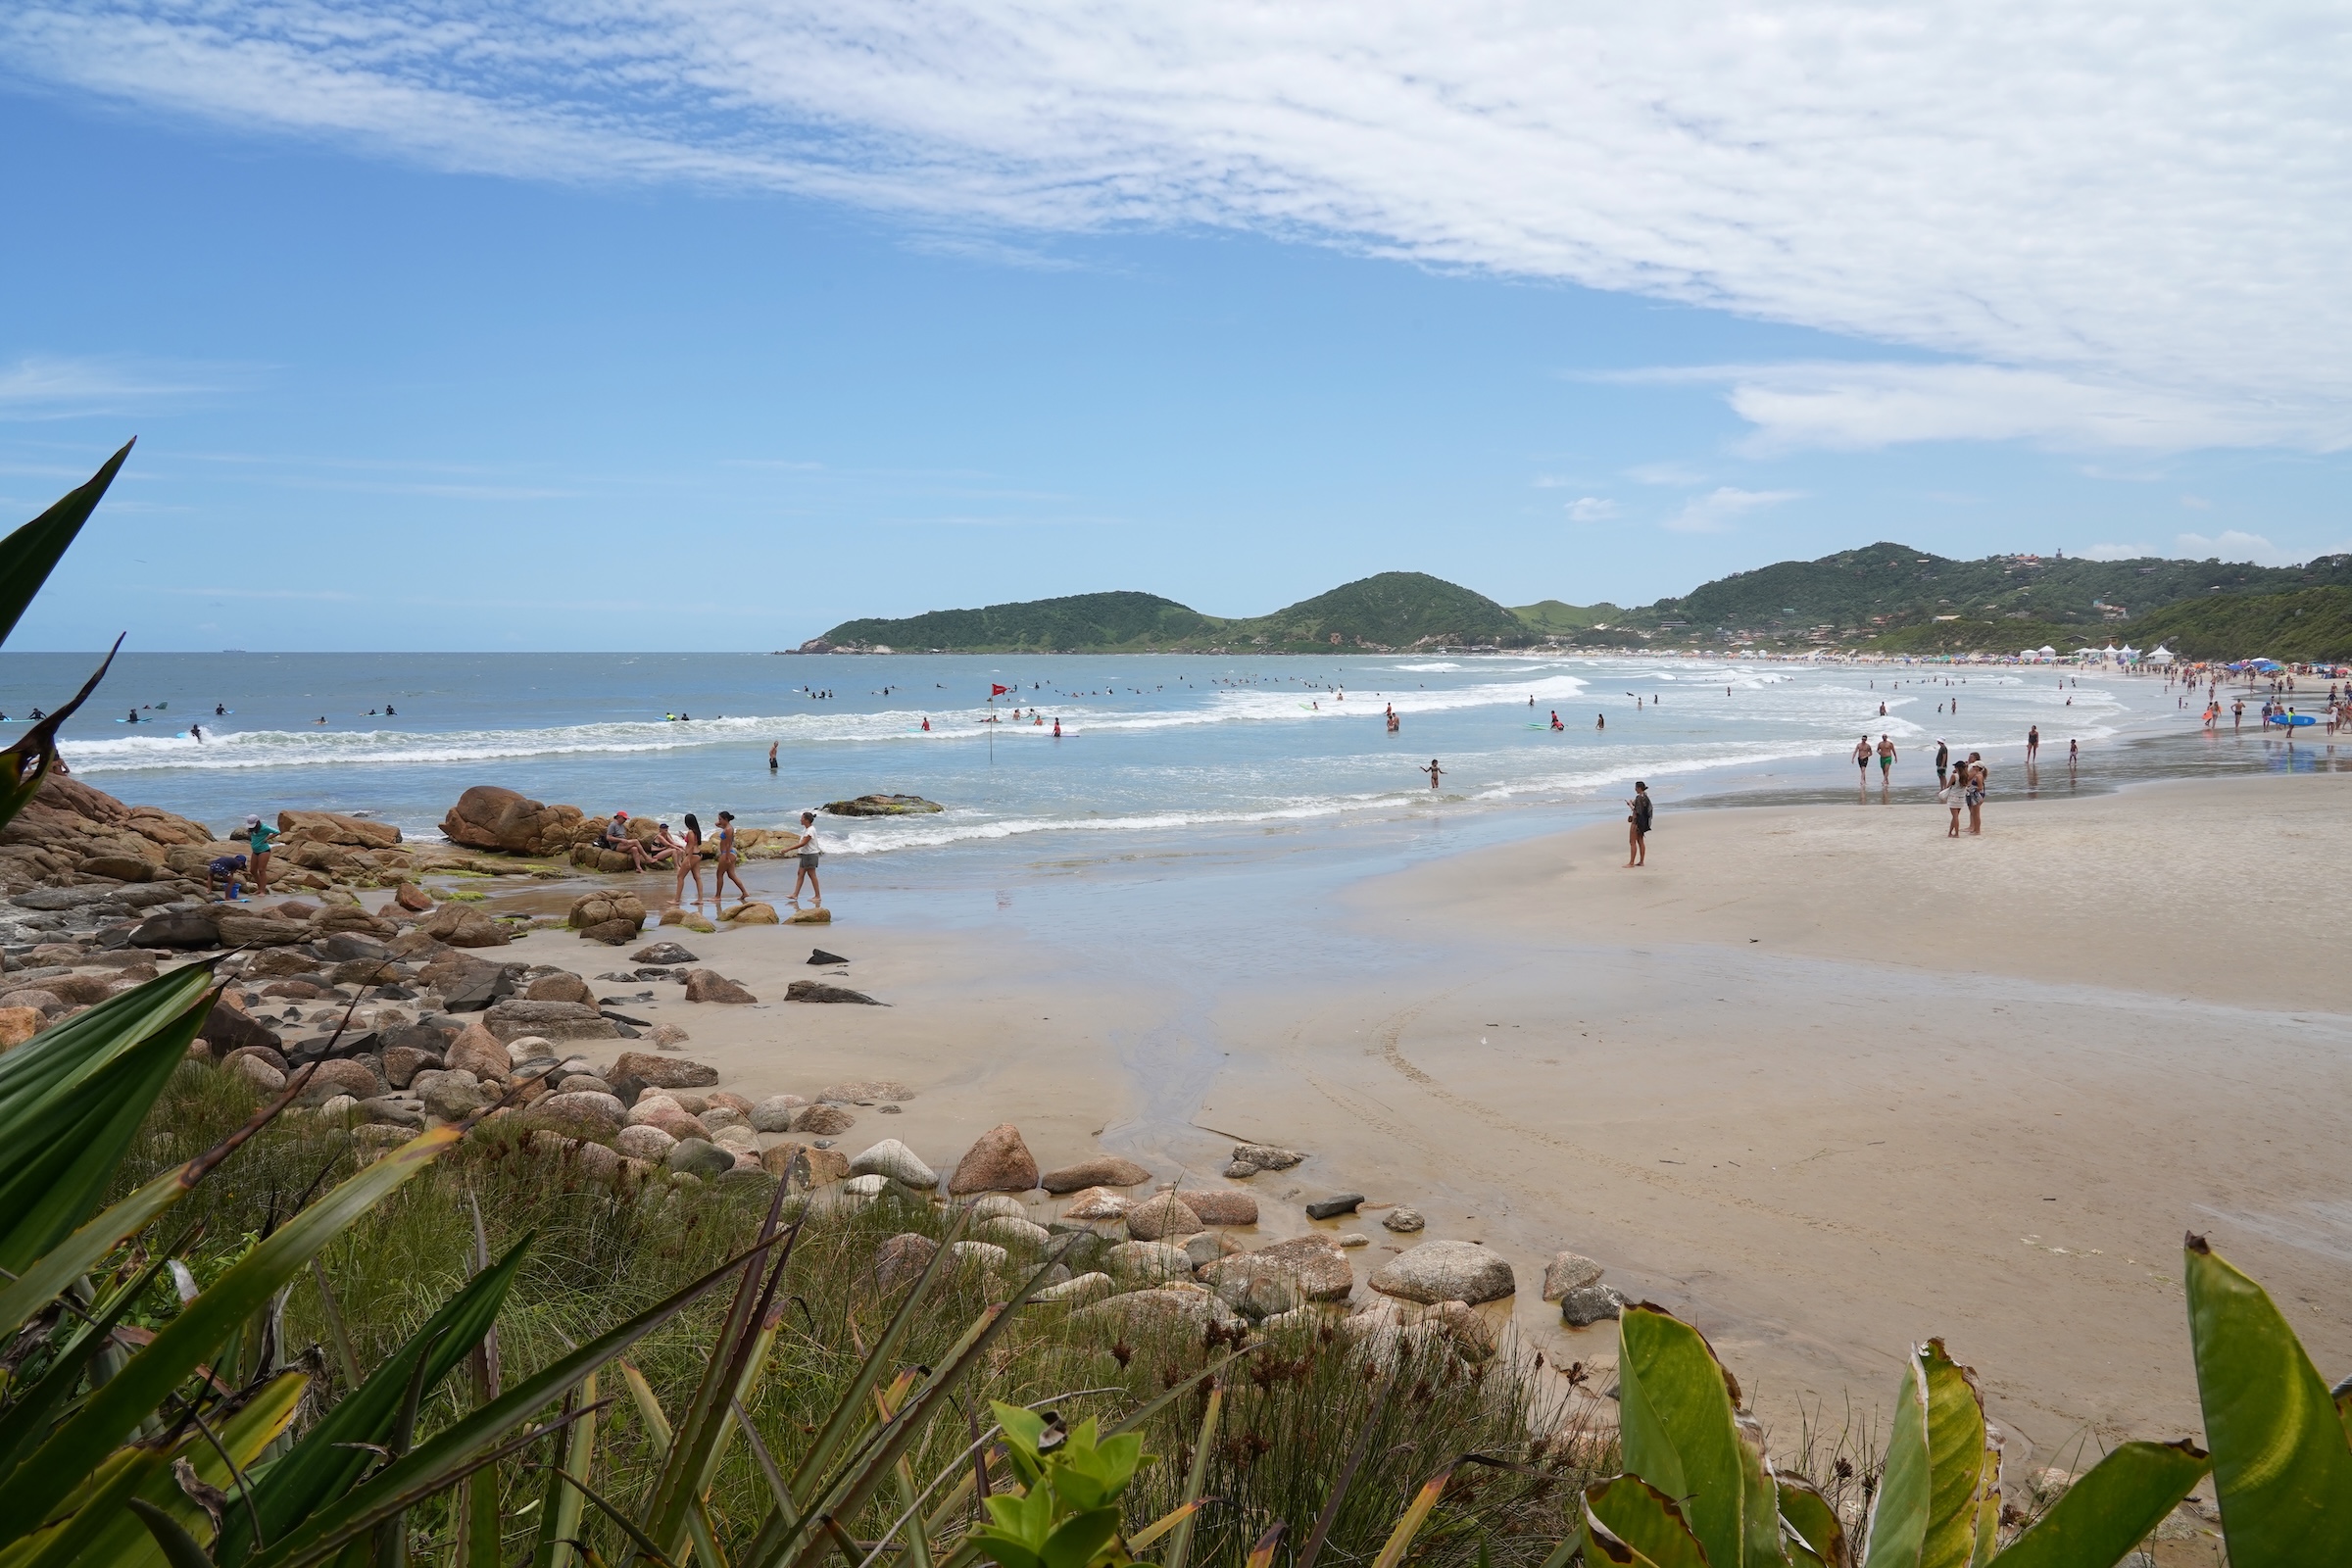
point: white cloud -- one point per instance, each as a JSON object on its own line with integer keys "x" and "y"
{"x": 63, "y": 387}
{"x": 2118, "y": 552}
{"x": 2232, "y": 545}
{"x": 2135, "y": 219}
{"x": 2196, "y": 503}
{"x": 1592, "y": 509}
{"x": 1720, "y": 509}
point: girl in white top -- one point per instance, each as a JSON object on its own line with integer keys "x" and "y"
{"x": 1954, "y": 796}
{"x": 809, "y": 852}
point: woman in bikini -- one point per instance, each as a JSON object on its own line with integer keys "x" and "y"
{"x": 686, "y": 854}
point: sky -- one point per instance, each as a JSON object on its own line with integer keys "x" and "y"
{"x": 709, "y": 324}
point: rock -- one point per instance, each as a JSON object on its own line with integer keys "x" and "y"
{"x": 997, "y": 1162}
{"x": 597, "y": 1161}
{"x": 1006, "y": 1230}
{"x": 988, "y": 1255}
{"x": 901, "y": 1259}
{"x": 1403, "y": 1221}
{"x": 488, "y": 817}
{"x": 228, "y": 1028}
{"x": 297, "y": 990}
{"x": 1103, "y": 1170}
{"x": 393, "y": 1110}
{"x": 611, "y": 933}
{"x": 883, "y": 806}
{"x": 455, "y": 1095}
{"x": 1350, "y": 1241}
{"x": 583, "y": 1083}
{"x": 48, "y": 1003}
{"x": 822, "y": 1121}
{"x": 1097, "y": 1203}
{"x": 176, "y": 928}
{"x": 1164, "y": 1217}
{"x": 692, "y": 1157}
{"x": 774, "y": 1113}
{"x": 643, "y": 1142}
{"x": 461, "y": 925}
{"x": 1082, "y": 1291}
{"x": 515, "y": 1017}
{"x": 992, "y": 1205}
{"x": 121, "y": 867}
{"x": 662, "y": 955}
{"x": 864, "y": 1092}
{"x": 1275, "y": 1279}
{"x": 1143, "y": 1311}
{"x": 679, "y": 1123}
{"x": 329, "y": 827}
{"x": 79, "y": 990}
{"x": 1587, "y": 1304}
{"x": 1445, "y": 1271}
{"x": 402, "y": 1063}
{"x": 661, "y": 1072}
{"x": 1568, "y": 1271}
{"x": 603, "y": 905}
{"x": 865, "y": 1187}
{"x": 1471, "y": 1336}
{"x": 249, "y": 1066}
{"x": 668, "y": 1035}
{"x": 1207, "y": 1247}
{"x": 1250, "y": 1158}
{"x": 895, "y": 1160}
{"x": 559, "y": 988}
{"x": 1134, "y": 1263}
{"x": 259, "y": 931}
{"x": 821, "y": 955}
{"x": 412, "y": 898}
{"x": 1333, "y": 1207}
{"x": 480, "y": 1052}
{"x": 708, "y": 984}
{"x": 341, "y": 1075}
{"x": 584, "y": 1115}
{"x": 751, "y": 914}
{"x": 819, "y": 990}
{"x": 809, "y": 917}
{"x": 1220, "y": 1206}
{"x": 19, "y": 1024}
{"x": 719, "y": 1117}
{"x": 822, "y": 1165}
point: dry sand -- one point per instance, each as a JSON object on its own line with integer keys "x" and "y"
{"x": 1819, "y": 1078}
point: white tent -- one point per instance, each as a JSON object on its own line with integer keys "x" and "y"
{"x": 2162, "y": 655}
{"x": 2129, "y": 652}
{"x": 2048, "y": 652}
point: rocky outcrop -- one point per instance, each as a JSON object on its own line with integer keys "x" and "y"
{"x": 884, "y": 806}
{"x": 488, "y": 817}
{"x": 67, "y": 825}
{"x": 329, "y": 827}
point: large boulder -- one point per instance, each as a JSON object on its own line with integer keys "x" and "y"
{"x": 997, "y": 1162}
{"x": 226, "y": 1028}
{"x": 462, "y": 925}
{"x": 1143, "y": 1263}
{"x": 1165, "y": 1218}
{"x": 582, "y": 1114}
{"x": 329, "y": 827}
{"x": 708, "y": 984}
{"x": 1103, "y": 1170}
{"x": 480, "y": 1052}
{"x": 602, "y": 907}
{"x": 19, "y": 1024}
{"x": 1568, "y": 1271}
{"x": 488, "y": 817}
{"x": 341, "y": 1075}
{"x": 895, "y": 1160}
{"x": 694, "y": 1157}
{"x": 1445, "y": 1271}
{"x": 822, "y": 1165}
{"x": 1220, "y": 1206}
{"x": 903, "y": 1258}
{"x": 560, "y": 987}
{"x": 1307, "y": 1268}
{"x": 822, "y": 1121}
{"x": 259, "y": 930}
{"x": 661, "y": 1072}
{"x": 121, "y": 867}
{"x": 774, "y": 1113}
{"x": 515, "y": 1017}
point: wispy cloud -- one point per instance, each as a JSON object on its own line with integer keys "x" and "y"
{"x": 2138, "y": 220}
{"x": 1592, "y": 509}
{"x": 2119, "y": 551}
{"x": 1666, "y": 473}
{"x": 2231, "y": 544}
{"x": 1720, "y": 509}
{"x": 61, "y": 387}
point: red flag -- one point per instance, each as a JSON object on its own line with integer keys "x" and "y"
{"x": 995, "y": 690}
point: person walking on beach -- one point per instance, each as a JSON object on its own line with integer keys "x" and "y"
{"x": 257, "y": 843}
{"x": 1952, "y": 796}
{"x": 809, "y": 852}
{"x": 1638, "y": 815}
{"x": 726, "y": 862}
{"x": 1885, "y": 751}
{"x": 2073, "y": 752}
{"x": 2033, "y": 744}
{"x": 686, "y": 854}
{"x": 1434, "y": 772}
{"x": 1862, "y": 766}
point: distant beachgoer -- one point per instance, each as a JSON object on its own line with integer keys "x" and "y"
{"x": 1953, "y": 795}
{"x": 1885, "y": 750}
{"x": 810, "y": 852}
{"x": 1862, "y": 764}
{"x": 771, "y": 757}
{"x": 2032, "y": 742}
{"x": 2073, "y": 751}
{"x": 1531, "y": 699}
{"x": 727, "y": 860}
{"x": 1434, "y": 772}
{"x": 1980, "y": 780}
{"x": 686, "y": 856}
{"x": 1640, "y": 812}
{"x": 133, "y": 719}
{"x": 1058, "y": 729}
{"x": 2237, "y": 715}
{"x": 1881, "y": 710}
{"x": 257, "y": 841}
{"x": 1555, "y": 720}
{"x": 1600, "y": 721}
{"x": 221, "y": 873}
{"x": 197, "y": 731}
{"x": 390, "y": 711}
{"x": 1943, "y": 761}
{"x": 926, "y": 725}
{"x": 220, "y": 710}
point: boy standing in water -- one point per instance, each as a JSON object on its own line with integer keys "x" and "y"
{"x": 726, "y": 862}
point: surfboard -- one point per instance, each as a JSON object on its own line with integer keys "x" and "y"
{"x": 2292, "y": 721}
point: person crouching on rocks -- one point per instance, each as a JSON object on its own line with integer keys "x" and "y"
{"x": 810, "y": 852}
{"x": 221, "y": 877}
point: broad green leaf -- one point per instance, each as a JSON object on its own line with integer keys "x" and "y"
{"x": 2112, "y": 1509}
{"x": 246, "y": 1434}
{"x": 117, "y": 1406}
{"x": 28, "y": 555}
{"x": 1632, "y": 1523}
{"x": 330, "y": 1457}
{"x": 1899, "y": 1514}
{"x": 1808, "y": 1513}
{"x": 1676, "y": 1412}
{"x": 1077, "y": 1538}
{"x": 1957, "y": 1489}
{"x": 72, "y": 1099}
{"x": 178, "y": 1548}
{"x": 24, "y": 765}
{"x": 2281, "y": 1469}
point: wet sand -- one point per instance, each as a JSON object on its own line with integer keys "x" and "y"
{"x": 1975, "y": 1089}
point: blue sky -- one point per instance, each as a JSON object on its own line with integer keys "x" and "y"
{"x": 709, "y": 353}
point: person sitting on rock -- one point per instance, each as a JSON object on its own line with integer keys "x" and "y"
{"x": 616, "y": 839}
{"x": 224, "y": 871}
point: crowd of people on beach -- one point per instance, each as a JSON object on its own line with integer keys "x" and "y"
{"x": 682, "y": 851}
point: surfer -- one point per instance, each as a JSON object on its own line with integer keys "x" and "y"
{"x": 390, "y": 711}
{"x": 197, "y": 730}
{"x": 926, "y": 725}
{"x": 220, "y": 710}
{"x": 1058, "y": 729}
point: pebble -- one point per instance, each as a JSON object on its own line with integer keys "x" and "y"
{"x": 1404, "y": 1221}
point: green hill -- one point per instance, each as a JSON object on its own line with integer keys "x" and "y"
{"x": 1393, "y": 609}
{"x": 2311, "y": 625}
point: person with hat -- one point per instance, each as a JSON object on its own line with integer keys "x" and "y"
{"x": 616, "y": 839}
{"x": 257, "y": 843}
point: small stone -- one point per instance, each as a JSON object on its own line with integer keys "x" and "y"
{"x": 751, "y": 914}
{"x": 644, "y": 1142}
{"x": 894, "y": 1160}
{"x": 1097, "y": 1203}
{"x": 1134, "y": 1263}
{"x": 663, "y": 955}
{"x": 997, "y": 1162}
{"x": 1445, "y": 1271}
{"x": 1587, "y": 1304}
{"x": 1403, "y": 1221}
{"x": 1103, "y": 1170}
{"x": 1568, "y": 1271}
{"x": 822, "y": 1121}
{"x": 692, "y": 1157}
{"x": 708, "y": 984}
{"x": 774, "y": 1113}
{"x": 661, "y": 1072}
{"x": 901, "y": 1259}
{"x": 1333, "y": 1207}
{"x": 864, "y": 1092}
{"x": 1220, "y": 1206}
{"x": 668, "y": 1037}
{"x": 1164, "y": 1217}
{"x": 1264, "y": 1157}
{"x": 1353, "y": 1239}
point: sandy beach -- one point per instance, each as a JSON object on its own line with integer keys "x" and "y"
{"x": 1819, "y": 1078}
